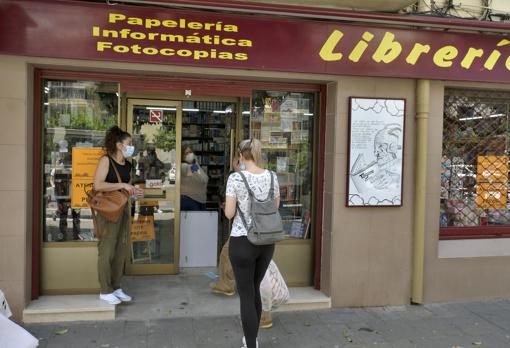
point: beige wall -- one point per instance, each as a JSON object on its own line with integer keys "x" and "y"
{"x": 455, "y": 278}
{"x": 13, "y": 183}
{"x": 370, "y": 248}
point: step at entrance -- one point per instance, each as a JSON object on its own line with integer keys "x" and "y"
{"x": 89, "y": 307}
{"x": 305, "y": 298}
{"x": 48, "y": 309}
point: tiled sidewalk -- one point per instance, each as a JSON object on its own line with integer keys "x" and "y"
{"x": 471, "y": 324}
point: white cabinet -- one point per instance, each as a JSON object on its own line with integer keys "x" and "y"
{"x": 199, "y": 238}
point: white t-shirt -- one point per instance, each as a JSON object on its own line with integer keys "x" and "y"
{"x": 259, "y": 184}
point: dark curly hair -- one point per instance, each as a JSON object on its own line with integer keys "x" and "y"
{"x": 113, "y": 136}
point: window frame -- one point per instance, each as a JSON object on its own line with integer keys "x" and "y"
{"x": 169, "y": 86}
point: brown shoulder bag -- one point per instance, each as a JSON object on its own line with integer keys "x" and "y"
{"x": 108, "y": 204}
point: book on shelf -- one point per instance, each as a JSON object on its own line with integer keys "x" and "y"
{"x": 282, "y": 164}
{"x": 299, "y": 229}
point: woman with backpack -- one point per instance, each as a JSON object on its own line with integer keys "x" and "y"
{"x": 249, "y": 258}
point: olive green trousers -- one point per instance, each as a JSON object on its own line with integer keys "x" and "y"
{"x": 112, "y": 250}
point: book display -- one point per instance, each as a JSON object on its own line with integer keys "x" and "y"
{"x": 283, "y": 121}
{"x": 206, "y": 128}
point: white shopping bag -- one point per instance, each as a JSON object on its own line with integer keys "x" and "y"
{"x": 273, "y": 290}
{"x": 4, "y": 306}
{"x": 14, "y": 336}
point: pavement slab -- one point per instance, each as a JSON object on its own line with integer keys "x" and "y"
{"x": 484, "y": 324}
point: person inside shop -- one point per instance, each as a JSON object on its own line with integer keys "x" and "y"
{"x": 249, "y": 261}
{"x": 193, "y": 183}
{"x": 113, "y": 237}
{"x": 150, "y": 167}
{"x": 226, "y": 282}
{"x": 60, "y": 180}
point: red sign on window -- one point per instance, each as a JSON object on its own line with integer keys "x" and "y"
{"x": 156, "y": 116}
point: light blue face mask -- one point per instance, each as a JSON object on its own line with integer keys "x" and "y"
{"x": 128, "y": 151}
{"x": 242, "y": 166}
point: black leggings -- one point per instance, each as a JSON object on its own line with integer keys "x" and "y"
{"x": 249, "y": 263}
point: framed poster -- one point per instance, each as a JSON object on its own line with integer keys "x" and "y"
{"x": 376, "y": 149}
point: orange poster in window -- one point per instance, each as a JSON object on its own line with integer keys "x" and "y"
{"x": 84, "y": 167}
{"x": 492, "y": 169}
{"x": 78, "y": 196}
{"x": 142, "y": 228}
{"x": 491, "y": 196}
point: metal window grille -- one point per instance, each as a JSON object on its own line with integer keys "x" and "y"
{"x": 474, "y": 177}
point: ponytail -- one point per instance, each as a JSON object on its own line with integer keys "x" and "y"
{"x": 251, "y": 149}
{"x": 113, "y": 136}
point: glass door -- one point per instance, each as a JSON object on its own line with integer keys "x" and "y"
{"x": 156, "y": 129}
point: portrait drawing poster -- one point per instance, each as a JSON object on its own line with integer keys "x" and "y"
{"x": 376, "y": 141}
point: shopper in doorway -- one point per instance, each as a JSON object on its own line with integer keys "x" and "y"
{"x": 226, "y": 282}
{"x": 193, "y": 183}
{"x": 113, "y": 237}
{"x": 249, "y": 261}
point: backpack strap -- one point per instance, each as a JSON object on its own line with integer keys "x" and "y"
{"x": 250, "y": 192}
{"x": 241, "y": 215}
{"x": 270, "y": 195}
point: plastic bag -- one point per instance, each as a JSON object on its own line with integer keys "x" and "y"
{"x": 273, "y": 290}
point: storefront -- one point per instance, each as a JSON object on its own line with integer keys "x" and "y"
{"x": 76, "y": 112}
{"x": 393, "y": 186}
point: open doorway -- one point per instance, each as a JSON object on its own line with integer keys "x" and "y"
{"x": 208, "y": 140}
{"x": 183, "y": 161}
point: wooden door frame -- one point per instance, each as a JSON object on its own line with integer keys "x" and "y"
{"x": 171, "y": 268}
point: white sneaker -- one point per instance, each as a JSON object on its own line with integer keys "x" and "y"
{"x": 246, "y": 346}
{"x": 110, "y": 298}
{"x": 121, "y": 295}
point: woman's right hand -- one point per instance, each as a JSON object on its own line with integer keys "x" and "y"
{"x": 129, "y": 188}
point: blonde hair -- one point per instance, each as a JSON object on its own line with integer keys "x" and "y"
{"x": 251, "y": 150}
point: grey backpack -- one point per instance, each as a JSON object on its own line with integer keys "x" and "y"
{"x": 266, "y": 223}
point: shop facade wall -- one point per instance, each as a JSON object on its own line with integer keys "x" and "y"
{"x": 448, "y": 279}
{"x": 14, "y": 189}
{"x": 16, "y": 147}
{"x": 370, "y": 252}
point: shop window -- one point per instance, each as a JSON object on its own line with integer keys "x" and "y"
{"x": 474, "y": 165}
{"x": 284, "y": 123}
{"x": 76, "y": 114}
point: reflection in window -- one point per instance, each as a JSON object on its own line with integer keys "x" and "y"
{"x": 75, "y": 114}
{"x": 283, "y": 122}
{"x": 474, "y": 164}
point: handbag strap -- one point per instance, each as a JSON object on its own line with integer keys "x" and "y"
{"x": 94, "y": 221}
{"x": 92, "y": 210}
{"x": 115, "y": 169}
